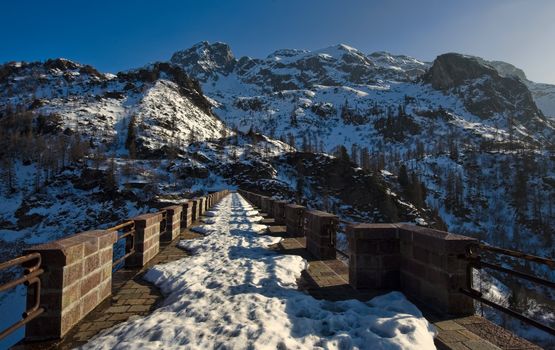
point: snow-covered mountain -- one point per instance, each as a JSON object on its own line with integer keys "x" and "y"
{"x": 459, "y": 143}
{"x": 158, "y": 101}
{"x": 465, "y": 126}
{"x": 80, "y": 149}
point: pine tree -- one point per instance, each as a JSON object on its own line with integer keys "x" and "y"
{"x": 131, "y": 141}
{"x": 403, "y": 177}
{"x": 343, "y": 155}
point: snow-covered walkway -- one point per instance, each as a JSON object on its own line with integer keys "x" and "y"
{"x": 234, "y": 293}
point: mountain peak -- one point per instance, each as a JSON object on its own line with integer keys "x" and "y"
{"x": 204, "y": 59}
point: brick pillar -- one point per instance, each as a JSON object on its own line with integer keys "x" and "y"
{"x": 195, "y": 208}
{"x": 258, "y": 201}
{"x": 294, "y": 219}
{"x": 320, "y": 229}
{"x": 264, "y": 204}
{"x": 279, "y": 212}
{"x": 187, "y": 215}
{"x": 270, "y": 207}
{"x": 173, "y": 223}
{"x": 77, "y": 277}
{"x": 430, "y": 270}
{"x": 147, "y": 239}
{"x": 201, "y": 206}
{"x": 374, "y": 256}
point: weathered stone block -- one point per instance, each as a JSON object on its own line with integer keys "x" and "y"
{"x": 294, "y": 219}
{"x": 279, "y": 212}
{"x": 320, "y": 229}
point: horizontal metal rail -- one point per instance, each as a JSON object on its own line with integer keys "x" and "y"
{"x": 474, "y": 294}
{"x": 342, "y": 253}
{"x": 519, "y": 255}
{"x": 128, "y": 235}
{"x": 345, "y": 222}
{"x": 164, "y": 221}
{"x": 474, "y": 261}
{"x": 32, "y": 271}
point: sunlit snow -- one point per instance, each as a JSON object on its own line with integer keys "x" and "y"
{"x": 234, "y": 293}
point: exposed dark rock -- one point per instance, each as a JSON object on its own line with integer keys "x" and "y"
{"x": 484, "y": 91}
{"x": 205, "y": 58}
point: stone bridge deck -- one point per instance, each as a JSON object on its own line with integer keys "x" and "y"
{"x": 324, "y": 279}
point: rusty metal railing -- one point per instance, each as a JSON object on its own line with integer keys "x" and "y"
{"x": 32, "y": 270}
{"x": 337, "y": 250}
{"x": 474, "y": 261}
{"x": 164, "y": 222}
{"x": 126, "y": 231}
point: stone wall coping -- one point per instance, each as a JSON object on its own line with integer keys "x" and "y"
{"x": 295, "y": 206}
{"x": 148, "y": 216}
{"x": 68, "y": 249}
{"x": 173, "y": 208}
{"x": 320, "y": 214}
{"x": 379, "y": 231}
{"x": 448, "y": 236}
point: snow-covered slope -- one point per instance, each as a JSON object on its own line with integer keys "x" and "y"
{"x": 159, "y": 101}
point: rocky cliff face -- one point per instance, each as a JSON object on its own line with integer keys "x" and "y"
{"x": 485, "y": 92}
{"x": 204, "y": 59}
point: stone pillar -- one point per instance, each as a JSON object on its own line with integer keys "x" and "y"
{"x": 431, "y": 271}
{"x": 258, "y": 201}
{"x": 294, "y": 219}
{"x": 195, "y": 208}
{"x": 423, "y": 263}
{"x": 270, "y": 207}
{"x": 374, "y": 256}
{"x": 187, "y": 215}
{"x": 279, "y": 212}
{"x": 147, "y": 239}
{"x": 320, "y": 229}
{"x": 201, "y": 206}
{"x": 264, "y": 201}
{"x": 77, "y": 277}
{"x": 210, "y": 200}
{"x": 173, "y": 223}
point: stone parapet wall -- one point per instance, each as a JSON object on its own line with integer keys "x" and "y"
{"x": 77, "y": 277}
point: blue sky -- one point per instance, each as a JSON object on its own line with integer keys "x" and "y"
{"x": 117, "y": 35}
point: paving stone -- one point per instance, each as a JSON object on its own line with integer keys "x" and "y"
{"x": 139, "y": 308}
{"x": 454, "y": 346}
{"x": 117, "y": 309}
{"x": 480, "y": 345}
{"x": 448, "y": 325}
{"x": 451, "y": 336}
{"x": 469, "y": 334}
{"x": 97, "y": 326}
{"x": 134, "y": 301}
{"x": 120, "y": 317}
